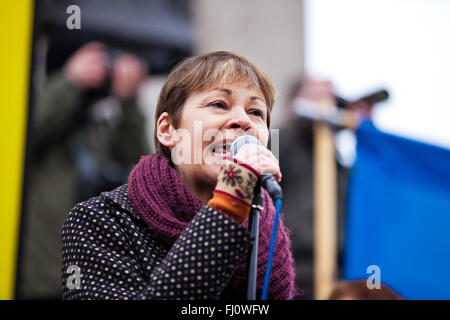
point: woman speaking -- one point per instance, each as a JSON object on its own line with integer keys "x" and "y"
{"x": 178, "y": 229}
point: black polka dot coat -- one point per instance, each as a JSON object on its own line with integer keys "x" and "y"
{"x": 109, "y": 253}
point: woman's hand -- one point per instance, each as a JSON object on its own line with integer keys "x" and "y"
{"x": 237, "y": 179}
{"x": 260, "y": 159}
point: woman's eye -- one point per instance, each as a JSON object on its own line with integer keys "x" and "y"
{"x": 257, "y": 113}
{"x": 219, "y": 104}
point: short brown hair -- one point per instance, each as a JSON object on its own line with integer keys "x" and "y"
{"x": 201, "y": 73}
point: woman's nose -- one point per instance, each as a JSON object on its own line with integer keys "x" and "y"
{"x": 239, "y": 120}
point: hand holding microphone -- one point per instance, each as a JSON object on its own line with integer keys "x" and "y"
{"x": 235, "y": 190}
{"x": 256, "y": 156}
{"x": 249, "y": 150}
{"x": 239, "y": 175}
{"x": 267, "y": 164}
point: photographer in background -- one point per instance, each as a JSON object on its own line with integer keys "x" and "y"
{"x": 87, "y": 133}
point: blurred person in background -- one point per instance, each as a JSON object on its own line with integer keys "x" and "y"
{"x": 83, "y": 142}
{"x": 296, "y": 161}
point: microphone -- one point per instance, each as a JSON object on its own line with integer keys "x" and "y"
{"x": 268, "y": 181}
{"x": 374, "y": 97}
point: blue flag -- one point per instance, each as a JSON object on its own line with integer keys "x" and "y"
{"x": 398, "y": 215}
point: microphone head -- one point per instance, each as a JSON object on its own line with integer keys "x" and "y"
{"x": 242, "y": 141}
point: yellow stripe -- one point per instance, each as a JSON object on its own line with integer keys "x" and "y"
{"x": 15, "y": 25}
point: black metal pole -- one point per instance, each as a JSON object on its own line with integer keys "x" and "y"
{"x": 253, "y": 226}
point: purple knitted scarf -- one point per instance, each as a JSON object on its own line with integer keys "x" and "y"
{"x": 160, "y": 197}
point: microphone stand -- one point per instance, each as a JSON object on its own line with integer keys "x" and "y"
{"x": 253, "y": 226}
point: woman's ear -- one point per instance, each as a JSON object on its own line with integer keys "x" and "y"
{"x": 165, "y": 131}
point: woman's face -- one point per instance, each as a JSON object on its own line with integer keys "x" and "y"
{"x": 210, "y": 121}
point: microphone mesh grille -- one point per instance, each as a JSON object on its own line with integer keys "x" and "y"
{"x": 242, "y": 141}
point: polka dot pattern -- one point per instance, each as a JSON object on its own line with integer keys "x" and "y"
{"x": 120, "y": 259}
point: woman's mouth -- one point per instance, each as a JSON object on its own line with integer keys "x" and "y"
{"x": 221, "y": 150}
